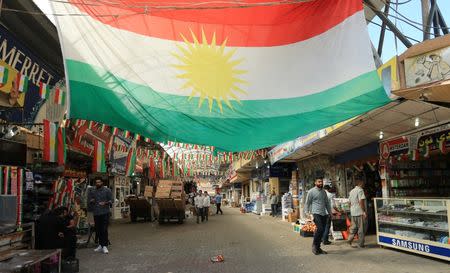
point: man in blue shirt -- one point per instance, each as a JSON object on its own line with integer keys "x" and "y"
{"x": 218, "y": 199}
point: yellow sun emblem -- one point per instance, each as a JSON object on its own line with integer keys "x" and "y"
{"x": 209, "y": 71}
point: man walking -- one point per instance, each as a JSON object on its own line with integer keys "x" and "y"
{"x": 318, "y": 205}
{"x": 198, "y": 201}
{"x": 206, "y": 205}
{"x": 100, "y": 199}
{"x": 218, "y": 201}
{"x": 357, "y": 200}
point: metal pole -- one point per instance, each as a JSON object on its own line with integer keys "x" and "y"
{"x": 383, "y": 29}
{"x": 389, "y": 24}
{"x": 425, "y": 10}
{"x": 442, "y": 21}
{"x": 430, "y": 20}
{"x": 435, "y": 20}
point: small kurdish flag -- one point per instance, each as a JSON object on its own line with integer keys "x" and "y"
{"x": 137, "y": 137}
{"x": 147, "y": 139}
{"x": 126, "y": 134}
{"x": 22, "y": 82}
{"x": 91, "y": 124}
{"x": 3, "y": 75}
{"x": 79, "y": 123}
{"x": 114, "y": 131}
{"x": 61, "y": 146}
{"x": 98, "y": 164}
{"x": 131, "y": 162}
{"x": 50, "y": 143}
{"x": 103, "y": 128}
{"x": 60, "y": 96}
{"x": 44, "y": 90}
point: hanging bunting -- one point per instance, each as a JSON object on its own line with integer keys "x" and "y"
{"x": 114, "y": 131}
{"x": 60, "y": 96}
{"x": 103, "y": 128}
{"x": 79, "y": 123}
{"x": 50, "y": 132}
{"x": 131, "y": 162}
{"x": 22, "y": 83}
{"x": 61, "y": 145}
{"x": 44, "y": 90}
{"x": 98, "y": 164}
{"x": 147, "y": 139}
{"x": 137, "y": 137}
{"x": 126, "y": 134}
{"x": 99, "y": 157}
{"x": 91, "y": 124}
{"x": 4, "y": 71}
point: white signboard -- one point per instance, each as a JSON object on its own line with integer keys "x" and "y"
{"x": 429, "y": 67}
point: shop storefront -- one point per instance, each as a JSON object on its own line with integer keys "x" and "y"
{"x": 414, "y": 213}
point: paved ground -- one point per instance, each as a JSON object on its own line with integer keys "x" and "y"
{"x": 249, "y": 244}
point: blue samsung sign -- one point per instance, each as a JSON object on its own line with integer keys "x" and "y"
{"x": 411, "y": 245}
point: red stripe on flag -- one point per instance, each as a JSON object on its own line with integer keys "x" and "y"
{"x": 269, "y": 25}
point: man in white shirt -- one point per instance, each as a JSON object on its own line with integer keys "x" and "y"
{"x": 206, "y": 204}
{"x": 357, "y": 200}
{"x": 198, "y": 201}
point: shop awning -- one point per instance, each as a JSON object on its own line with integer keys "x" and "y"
{"x": 437, "y": 92}
{"x": 394, "y": 119}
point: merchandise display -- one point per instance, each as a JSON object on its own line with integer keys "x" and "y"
{"x": 430, "y": 178}
{"x": 417, "y": 225}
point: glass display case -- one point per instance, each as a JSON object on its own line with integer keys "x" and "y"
{"x": 415, "y": 225}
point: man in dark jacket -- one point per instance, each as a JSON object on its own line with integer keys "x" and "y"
{"x": 100, "y": 200}
{"x": 50, "y": 230}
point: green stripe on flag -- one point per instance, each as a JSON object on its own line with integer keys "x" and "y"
{"x": 154, "y": 111}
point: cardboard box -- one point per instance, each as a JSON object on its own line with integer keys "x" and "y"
{"x": 162, "y": 194}
{"x": 177, "y": 188}
{"x": 148, "y": 191}
{"x": 165, "y": 183}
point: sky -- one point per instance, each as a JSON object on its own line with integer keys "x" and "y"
{"x": 410, "y": 9}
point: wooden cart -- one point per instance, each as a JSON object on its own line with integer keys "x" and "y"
{"x": 139, "y": 208}
{"x": 170, "y": 209}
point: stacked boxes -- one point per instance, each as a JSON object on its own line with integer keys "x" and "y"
{"x": 169, "y": 189}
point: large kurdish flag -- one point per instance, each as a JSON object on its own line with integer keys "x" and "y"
{"x": 235, "y": 76}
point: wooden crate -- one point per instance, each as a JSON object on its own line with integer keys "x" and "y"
{"x": 148, "y": 191}
{"x": 177, "y": 188}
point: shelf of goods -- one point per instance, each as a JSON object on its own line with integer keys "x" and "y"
{"x": 415, "y": 225}
{"x": 420, "y": 178}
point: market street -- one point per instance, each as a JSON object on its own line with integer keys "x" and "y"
{"x": 248, "y": 242}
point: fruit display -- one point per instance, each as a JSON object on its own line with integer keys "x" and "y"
{"x": 309, "y": 227}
